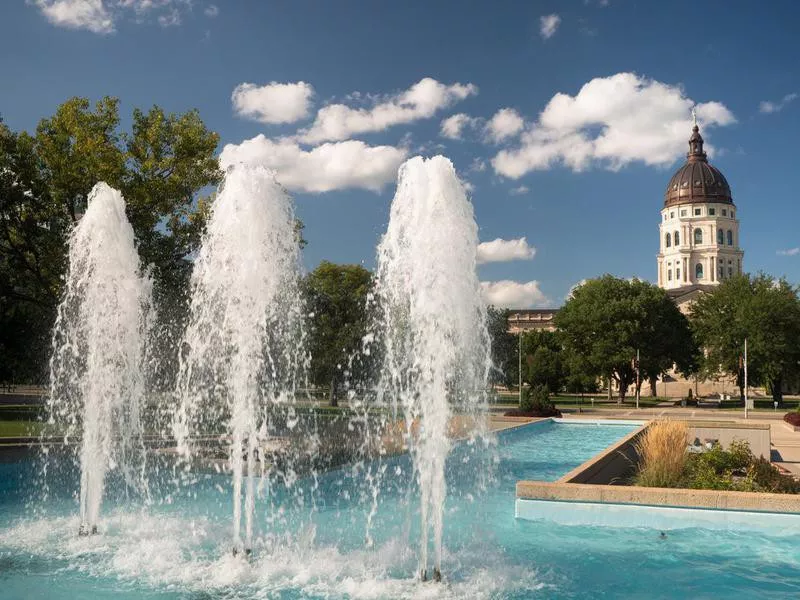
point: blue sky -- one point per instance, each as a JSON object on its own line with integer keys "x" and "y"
{"x": 565, "y": 118}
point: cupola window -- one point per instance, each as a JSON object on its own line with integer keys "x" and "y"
{"x": 677, "y": 238}
{"x": 667, "y": 241}
{"x": 698, "y": 271}
{"x": 720, "y": 237}
{"x": 730, "y": 237}
{"x": 698, "y": 236}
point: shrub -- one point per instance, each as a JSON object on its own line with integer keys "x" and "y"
{"x": 662, "y": 454}
{"x": 535, "y": 402}
{"x": 793, "y": 418}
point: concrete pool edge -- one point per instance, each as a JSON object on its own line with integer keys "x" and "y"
{"x": 586, "y": 496}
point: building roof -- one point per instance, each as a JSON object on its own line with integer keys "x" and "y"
{"x": 697, "y": 180}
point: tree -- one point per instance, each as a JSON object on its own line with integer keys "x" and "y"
{"x": 544, "y": 365}
{"x": 160, "y": 167}
{"x": 607, "y": 319}
{"x": 337, "y": 298}
{"x": 505, "y": 357}
{"x": 760, "y": 309}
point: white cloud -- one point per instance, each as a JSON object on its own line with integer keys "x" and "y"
{"x": 612, "y": 121}
{"x": 768, "y": 107}
{"x": 520, "y": 190}
{"x": 331, "y": 166}
{"x": 571, "y": 291}
{"x": 274, "y": 102}
{"x": 505, "y": 123}
{"x": 211, "y": 11}
{"x": 789, "y": 252}
{"x": 513, "y": 294}
{"x": 170, "y": 19}
{"x": 101, "y": 16}
{"x": 422, "y": 100}
{"x": 548, "y": 25}
{"x": 78, "y": 14}
{"x": 500, "y": 250}
{"x": 478, "y": 165}
{"x": 452, "y": 127}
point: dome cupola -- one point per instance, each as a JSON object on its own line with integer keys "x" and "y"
{"x": 697, "y": 181}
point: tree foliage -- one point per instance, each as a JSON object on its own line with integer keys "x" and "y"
{"x": 607, "y": 319}
{"x": 160, "y": 166}
{"x": 505, "y": 360}
{"x": 544, "y": 360}
{"x": 760, "y": 309}
{"x": 337, "y": 298}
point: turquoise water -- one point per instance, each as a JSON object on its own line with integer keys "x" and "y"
{"x": 178, "y": 547}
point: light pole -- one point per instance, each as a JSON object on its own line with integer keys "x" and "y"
{"x": 746, "y": 401}
{"x": 638, "y": 382}
{"x": 519, "y": 368}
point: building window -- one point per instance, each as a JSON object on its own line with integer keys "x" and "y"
{"x": 683, "y": 212}
{"x": 730, "y": 237}
{"x": 672, "y": 215}
{"x": 667, "y": 241}
{"x": 720, "y": 237}
{"x": 724, "y": 212}
{"x": 712, "y": 211}
{"x": 698, "y": 236}
{"x": 739, "y": 264}
{"x": 677, "y": 238}
{"x": 730, "y": 271}
{"x": 677, "y": 274}
{"x": 697, "y": 212}
{"x": 698, "y": 271}
{"x": 669, "y": 275}
{"x": 721, "y": 272}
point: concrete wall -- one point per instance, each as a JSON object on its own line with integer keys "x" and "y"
{"x": 612, "y": 466}
{"x": 757, "y": 435}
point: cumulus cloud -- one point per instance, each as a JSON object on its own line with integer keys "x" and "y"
{"x": 454, "y": 126}
{"x": 768, "y": 107}
{"x": 513, "y": 294}
{"x": 612, "y": 122}
{"x": 421, "y": 101}
{"x": 101, "y": 16}
{"x": 170, "y": 19}
{"x": 789, "y": 252}
{"x": 331, "y": 166}
{"x": 548, "y": 24}
{"x": 78, "y": 14}
{"x": 274, "y": 102}
{"x": 500, "y": 250}
{"x": 505, "y": 123}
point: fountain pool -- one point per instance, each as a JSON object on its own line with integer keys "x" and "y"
{"x": 179, "y": 547}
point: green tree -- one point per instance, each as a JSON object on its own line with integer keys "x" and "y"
{"x": 607, "y": 319}
{"x": 543, "y": 360}
{"x": 337, "y": 298}
{"x": 505, "y": 358}
{"x": 161, "y": 166}
{"x": 760, "y": 309}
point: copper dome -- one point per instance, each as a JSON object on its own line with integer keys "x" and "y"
{"x": 697, "y": 181}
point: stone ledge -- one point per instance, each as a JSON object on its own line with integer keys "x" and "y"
{"x": 678, "y": 498}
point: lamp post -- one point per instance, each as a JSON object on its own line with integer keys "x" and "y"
{"x": 519, "y": 368}
{"x": 746, "y": 401}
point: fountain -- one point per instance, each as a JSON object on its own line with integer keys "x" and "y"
{"x": 96, "y": 384}
{"x": 436, "y": 356}
{"x": 243, "y": 349}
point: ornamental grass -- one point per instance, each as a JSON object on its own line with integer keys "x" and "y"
{"x": 662, "y": 454}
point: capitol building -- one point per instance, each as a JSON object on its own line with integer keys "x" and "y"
{"x": 698, "y": 249}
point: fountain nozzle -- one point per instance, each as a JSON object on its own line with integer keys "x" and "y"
{"x": 84, "y": 530}
{"x": 437, "y": 575}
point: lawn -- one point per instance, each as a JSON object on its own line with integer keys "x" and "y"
{"x": 20, "y": 428}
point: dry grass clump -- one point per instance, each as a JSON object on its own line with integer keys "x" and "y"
{"x": 662, "y": 454}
